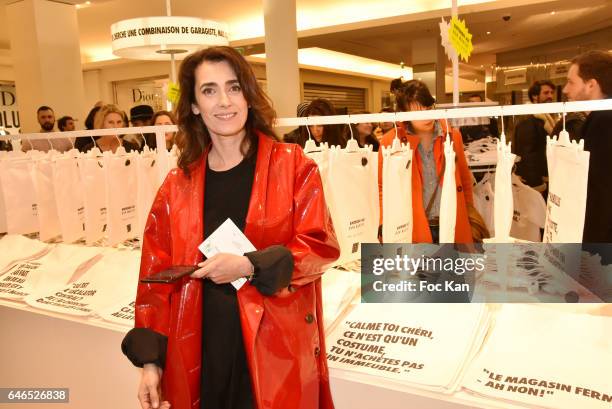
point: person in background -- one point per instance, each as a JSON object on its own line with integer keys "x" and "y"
{"x": 474, "y": 129}
{"x": 530, "y": 138}
{"x": 383, "y": 127}
{"x": 426, "y": 138}
{"x": 294, "y": 135}
{"x": 165, "y": 118}
{"x": 65, "y": 124}
{"x": 475, "y": 98}
{"x": 261, "y": 346}
{"x": 574, "y": 121}
{"x": 141, "y": 115}
{"x": 363, "y": 133}
{"x": 589, "y": 78}
{"x": 84, "y": 143}
{"x": 109, "y": 116}
{"x": 46, "y": 120}
{"x": 332, "y": 134}
{"x": 394, "y": 88}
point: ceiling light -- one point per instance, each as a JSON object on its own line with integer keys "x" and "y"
{"x": 488, "y": 32}
{"x": 341, "y": 62}
{"x": 88, "y": 2}
{"x": 552, "y": 13}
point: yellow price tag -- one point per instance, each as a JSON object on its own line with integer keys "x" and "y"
{"x": 460, "y": 38}
{"x": 173, "y": 92}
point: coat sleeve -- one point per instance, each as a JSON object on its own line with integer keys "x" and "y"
{"x": 153, "y": 300}
{"x": 464, "y": 170}
{"x": 314, "y": 244}
{"x": 598, "y": 220}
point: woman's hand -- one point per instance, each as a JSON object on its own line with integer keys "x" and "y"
{"x": 149, "y": 391}
{"x": 224, "y": 268}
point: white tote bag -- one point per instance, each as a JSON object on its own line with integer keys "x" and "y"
{"x": 69, "y": 197}
{"x": 503, "y": 207}
{"x": 93, "y": 177}
{"x": 148, "y": 184}
{"x": 397, "y": 193}
{"x": 448, "y": 197}
{"x": 46, "y": 273}
{"x": 108, "y": 282}
{"x": 568, "y": 173}
{"x": 48, "y": 218}
{"x": 320, "y": 155}
{"x": 19, "y": 196}
{"x": 353, "y": 200}
{"x": 15, "y": 248}
{"x": 121, "y": 195}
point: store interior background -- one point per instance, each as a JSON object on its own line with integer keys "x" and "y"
{"x": 45, "y": 46}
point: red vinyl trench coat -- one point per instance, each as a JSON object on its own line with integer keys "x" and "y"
{"x": 283, "y": 334}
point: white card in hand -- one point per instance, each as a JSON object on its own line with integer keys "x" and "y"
{"x": 227, "y": 239}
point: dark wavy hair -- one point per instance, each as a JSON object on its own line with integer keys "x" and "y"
{"x": 194, "y": 138}
{"x": 536, "y": 88}
{"x": 332, "y": 134}
{"x": 414, "y": 91}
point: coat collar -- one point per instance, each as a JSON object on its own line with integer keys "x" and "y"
{"x": 257, "y": 204}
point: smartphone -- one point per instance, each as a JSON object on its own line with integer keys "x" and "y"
{"x": 169, "y": 275}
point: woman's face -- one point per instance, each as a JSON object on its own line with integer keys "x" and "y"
{"x": 219, "y": 100}
{"x": 421, "y": 126}
{"x": 364, "y": 129}
{"x": 316, "y": 131}
{"x": 165, "y": 120}
{"x": 113, "y": 120}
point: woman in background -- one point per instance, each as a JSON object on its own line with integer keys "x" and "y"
{"x": 332, "y": 134}
{"x": 363, "y": 133}
{"x": 426, "y": 138}
{"x": 109, "y": 116}
{"x": 165, "y": 118}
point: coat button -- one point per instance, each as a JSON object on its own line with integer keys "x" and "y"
{"x": 291, "y": 288}
{"x": 459, "y": 188}
{"x": 317, "y": 351}
{"x": 309, "y": 318}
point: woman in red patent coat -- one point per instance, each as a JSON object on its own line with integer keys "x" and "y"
{"x": 261, "y": 346}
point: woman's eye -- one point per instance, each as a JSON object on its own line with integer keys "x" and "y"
{"x": 235, "y": 89}
{"x": 208, "y": 91}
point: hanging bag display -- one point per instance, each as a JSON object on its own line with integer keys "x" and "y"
{"x": 48, "y": 218}
{"x": 353, "y": 205}
{"x": 121, "y": 195}
{"x": 448, "y": 198}
{"x": 568, "y": 172}
{"x": 93, "y": 176}
{"x": 503, "y": 207}
{"x": 69, "y": 197}
{"x": 19, "y": 196}
{"x": 147, "y": 186}
{"x": 397, "y": 193}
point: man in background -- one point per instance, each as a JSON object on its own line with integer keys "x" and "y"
{"x": 530, "y": 138}
{"x": 65, "y": 124}
{"x": 590, "y": 78}
{"x": 141, "y": 115}
{"x": 46, "y": 120}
